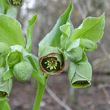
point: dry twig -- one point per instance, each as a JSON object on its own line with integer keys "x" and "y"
{"x": 52, "y": 94}
{"x": 105, "y": 92}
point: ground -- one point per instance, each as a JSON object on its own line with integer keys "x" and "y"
{"x": 94, "y": 97}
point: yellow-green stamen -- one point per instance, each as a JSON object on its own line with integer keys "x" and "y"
{"x": 2, "y": 94}
{"x": 51, "y": 63}
{"x": 16, "y": 2}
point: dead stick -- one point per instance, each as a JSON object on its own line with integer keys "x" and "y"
{"x": 52, "y": 94}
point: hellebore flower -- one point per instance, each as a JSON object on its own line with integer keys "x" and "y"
{"x": 80, "y": 75}
{"x": 14, "y": 58}
{"x": 22, "y": 71}
{"x": 52, "y": 61}
{"x": 16, "y": 2}
{"x": 5, "y": 86}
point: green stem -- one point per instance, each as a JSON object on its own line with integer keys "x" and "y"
{"x": 5, "y": 10}
{"x": 4, "y": 104}
{"x": 40, "y": 92}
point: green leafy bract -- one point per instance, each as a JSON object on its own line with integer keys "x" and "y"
{"x": 65, "y": 29}
{"x": 91, "y": 28}
{"x": 87, "y": 44}
{"x": 53, "y": 38}
{"x": 31, "y": 22}
{"x": 10, "y": 31}
{"x": 4, "y": 104}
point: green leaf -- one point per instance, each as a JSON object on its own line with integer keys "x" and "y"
{"x": 8, "y": 74}
{"x": 91, "y": 28}
{"x": 31, "y": 22}
{"x": 10, "y": 31}
{"x": 80, "y": 74}
{"x": 4, "y": 104}
{"x": 65, "y": 29}
{"x": 87, "y": 44}
{"x": 20, "y": 49}
{"x": 4, "y": 49}
{"x": 72, "y": 44}
{"x": 53, "y": 38}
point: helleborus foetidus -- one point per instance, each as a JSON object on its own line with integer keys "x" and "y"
{"x": 61, "y": 43}
{"x": 5, "y": 86}
{"x": 16, "y": 3}
{"x": 52, "y": 61}
{"x": 22, "y": 71}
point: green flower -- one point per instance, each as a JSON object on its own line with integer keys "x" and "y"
{"x": 5, "y": 86}
{"x": 15, "y": 2}
{"x": 22, "y": 71}
{"x": 14, "y": 57}
{"x": 52, "y": 61}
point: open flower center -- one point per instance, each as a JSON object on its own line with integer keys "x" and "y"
{"x": 51, "y": 63}
{"x": 16, "y": 2}
{"x": 2, "y": 94}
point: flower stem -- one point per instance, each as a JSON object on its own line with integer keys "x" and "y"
{"x": 40, "y": 92}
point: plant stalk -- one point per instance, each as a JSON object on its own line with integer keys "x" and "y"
{"x": 40, "y": 92}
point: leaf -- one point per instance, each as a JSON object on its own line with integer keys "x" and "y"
{"x": 10, "y": 31}
{"x": 31, "y": 22}
{"x": 72, "y": 44}
{"x": 53, "y": 38}
{"x": 91, "y": 28}
{"x": 20, "y": 49}
{"x": 65, "y": 29}
{"x": 80, "y": 74}
{"x": 2, "y": 82}
{"x": 4, "y": 47}
{"x": 87, "y": 44}
{"x": 4, "y": 104}
{"x": 8, "y": 74}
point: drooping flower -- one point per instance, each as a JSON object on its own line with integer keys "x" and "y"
{"x": 52, "y": 61}
{"x": 22, "y": 71}
{"x": 15, "y": 2}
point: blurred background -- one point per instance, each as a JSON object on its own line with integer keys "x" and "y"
{"x": 59, "y": 95}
